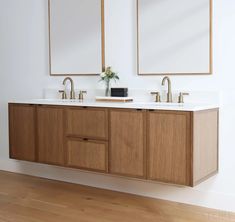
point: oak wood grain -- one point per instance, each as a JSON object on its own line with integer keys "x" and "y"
{"x": 44, "y": 200}
{"x": 22, "y": 132}
{"x": 176, "y": 147}
{"x": 87, "y": 123}
{"x": 127, "y": 144}
{"x": 50, "y": 134}
{"x": 205, "y": 144}
{"x": 169, "y": 147}
{"x": 91, "y": 155}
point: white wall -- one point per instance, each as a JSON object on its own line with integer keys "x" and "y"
{"x": 24, "y": 74}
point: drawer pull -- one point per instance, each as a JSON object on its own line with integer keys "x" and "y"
{"x": 85, "y": 139}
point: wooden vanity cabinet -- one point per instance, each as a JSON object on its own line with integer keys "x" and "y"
{"x": 127, "y": 144}
{"x": 50, "y": 134}
{"x": 176, "y": 147}
{"x": 22, "y": 139}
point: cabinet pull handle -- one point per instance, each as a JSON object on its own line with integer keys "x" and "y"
{"x": 138, "y": 109}
{"x": 85, "y": 139}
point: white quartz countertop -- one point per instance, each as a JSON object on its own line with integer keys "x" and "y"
{"x": 124, "y": 105}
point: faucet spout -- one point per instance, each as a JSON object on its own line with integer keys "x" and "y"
{"x": 169, "y": 93}
{"x": 72, "y": 91}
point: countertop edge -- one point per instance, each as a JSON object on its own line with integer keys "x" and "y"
{"x": 190, "y": 107}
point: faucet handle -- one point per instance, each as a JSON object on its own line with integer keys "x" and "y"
{"x": 63, "y": 94}
{"x": 181, "y": 97}
{"x": 81, "y": 96}
{"x": 158, "y": 96}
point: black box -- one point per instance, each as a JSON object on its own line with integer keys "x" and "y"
{"x": 119, "y": 92}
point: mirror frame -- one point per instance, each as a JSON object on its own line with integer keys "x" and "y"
{"x": 102, "y": 43}
{"x": 210, "y": 48}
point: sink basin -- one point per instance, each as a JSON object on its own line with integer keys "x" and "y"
{"x": 160, "y": 104}
{"x": 58, "y": 100}
{"x": 169, "y": 104}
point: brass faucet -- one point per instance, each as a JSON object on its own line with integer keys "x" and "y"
{"x": 72, "y": 92}
{"x": 81, "y": 95}
{"x": 169, "y": 93}
{"x": 63, "y": 94}
{"x": 158, "y": 96}
{"x": 181, "y": 97}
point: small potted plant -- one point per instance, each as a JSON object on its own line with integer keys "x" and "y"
{"x": 107, "y": 76}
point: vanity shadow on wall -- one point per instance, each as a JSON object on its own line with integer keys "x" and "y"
{"x": 174, "y": 37}
{"x": 76, "y": 37}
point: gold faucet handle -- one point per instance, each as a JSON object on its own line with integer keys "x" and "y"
{"x": 63, "y": 94}
{"x": 181, "y": 97}
{"x": 81, "y": 95}
{"x": 158, "y": 96}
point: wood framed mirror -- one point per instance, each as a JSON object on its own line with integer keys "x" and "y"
{"x": 174, "y": 37}
{"x": 76, "y": 37}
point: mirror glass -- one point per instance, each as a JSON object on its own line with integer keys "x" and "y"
{"x": 174, "y": 37}
{"x": 76, "y": 37}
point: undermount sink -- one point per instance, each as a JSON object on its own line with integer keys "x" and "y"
{"x": 160, "y": 104}
{"x": 57, "y": 100}
{"x": 170, "y": 104}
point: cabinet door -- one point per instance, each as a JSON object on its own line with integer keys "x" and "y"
{"x": 50, "y": 135}
{"x": 87, "y": 154}
{"x": 169, "y": 148}
{"x": 87, "y": 123}
{"x": 127, "y": 143}
{"x": 22, "y": 132}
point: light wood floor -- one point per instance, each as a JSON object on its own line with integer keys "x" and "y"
{"x": 31, "y": 199}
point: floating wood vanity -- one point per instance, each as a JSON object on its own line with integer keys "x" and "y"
{"x": 173, "y": 146}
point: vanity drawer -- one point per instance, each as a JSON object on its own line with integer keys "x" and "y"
{"x": 87, "y": 154}
{"x": 87, "y": 123}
